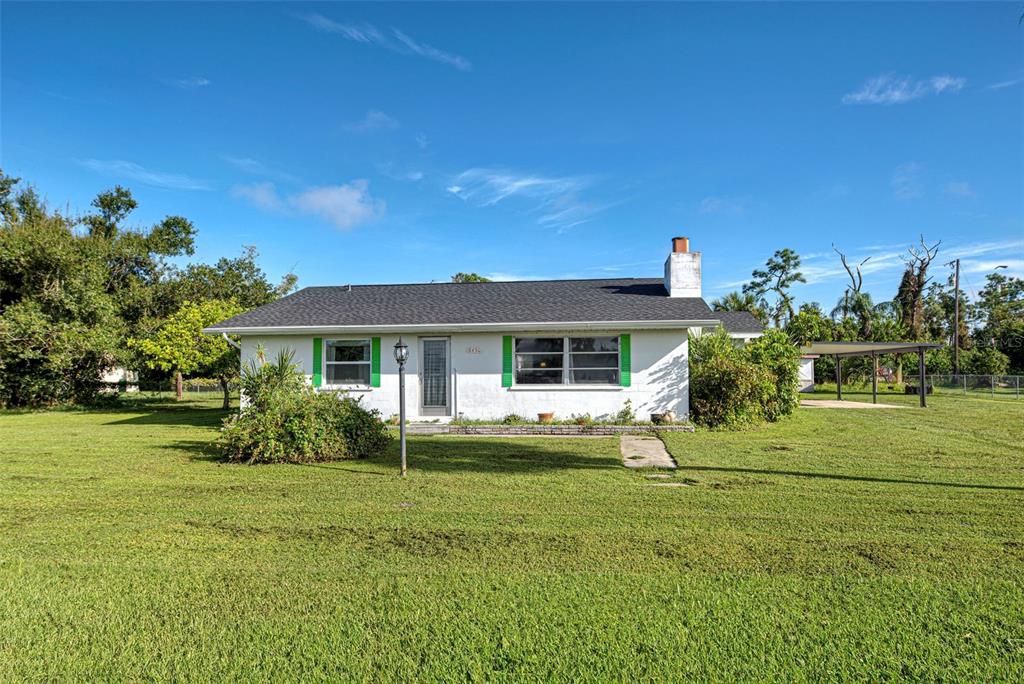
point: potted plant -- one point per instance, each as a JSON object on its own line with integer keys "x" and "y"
{"x": 545, "y": 417}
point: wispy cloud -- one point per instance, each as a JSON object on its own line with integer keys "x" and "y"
{"x": 263, "y": 195}
{"x": 960, "y": 189}
{"x": 258, "y": 168}
{"x": 1004, "y": 84}
{"x": 422, "y": 141}
{"x": 132, "y": 171}
{"x": 395, "y": 40}
{"x": 373, "y": 121}
{"x": 390, "y": 171}
{"x": 723, "y": 205}
{"x": 1013, "y": 267}
{"x": 889, "y": 89}
{"x": 343, "y": 206}
{"x": 906, "y": 181}
{"x": 981, "y": 248}
{"x": 557, "y": 200}
{"x": 190, "y": 83}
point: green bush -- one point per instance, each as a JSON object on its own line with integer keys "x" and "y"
{"x": 984, "y": 361}
{"x": 731, "y": 385}
{"x": 774, "y": 353}
{"x": 286, "y": 421}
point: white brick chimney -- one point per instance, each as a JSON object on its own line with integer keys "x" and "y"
{"x": 682, "y": 270}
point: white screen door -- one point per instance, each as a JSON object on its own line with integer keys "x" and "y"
{"x": 434, "y": 375}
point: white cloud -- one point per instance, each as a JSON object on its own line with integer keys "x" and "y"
{"x": 906, "y": 181}
{"x": 131, "y": 170}
{"x": 556, "y": 200}
{"x": 396, "y": 40}
{"x": 263, "y": 195}
{"x": 1004, "y": 84}
{"x": 343, "y": 206}
{"x": 190, "y": 83}
{"x": 722, "y": 205}
{"x": 422, "y": 141}
{"x": 889, "y": 89}
{"x": 258, "y": 168}
{"x": 424, "y": 50}
{"x": 1014, "y": 267}
{"x": 980, "y": 248}
{"x": 373, "y": 121}
{"x": 960, "y": 189}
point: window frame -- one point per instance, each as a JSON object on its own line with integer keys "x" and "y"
{"x": 326, "y": 384}
{"x": 567, "y": 367}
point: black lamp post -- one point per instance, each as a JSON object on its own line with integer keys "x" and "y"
{"x": 401, "y": 356}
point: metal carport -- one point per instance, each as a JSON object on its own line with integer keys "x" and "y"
{"x": 842, "y": 350}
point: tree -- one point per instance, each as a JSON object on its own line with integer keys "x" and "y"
{"x": 113, "y": 207}
{"x": 809, "y": 325}
{"x": 180, "y": 346}
{"x": 998, "y": 313}
{"x": 854, "y": 302}
{"x": 910, "y": 295}
{"x": 461, "y": 277}
{"x": 738, "y": 301}
{"x": 239, "y": 279}
{"x": 781, "y": 272}
{"x": 58, "y": 325}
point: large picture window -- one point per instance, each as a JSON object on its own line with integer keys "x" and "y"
{"x": 347, "y": 362}
{"x": 567, "y": 360}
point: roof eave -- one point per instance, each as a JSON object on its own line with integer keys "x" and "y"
{"x": 460, "y": 327}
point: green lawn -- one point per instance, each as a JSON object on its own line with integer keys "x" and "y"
{"x": 868, "y": 545}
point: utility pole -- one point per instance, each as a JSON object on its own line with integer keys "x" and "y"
{"x": 956, "y": 318}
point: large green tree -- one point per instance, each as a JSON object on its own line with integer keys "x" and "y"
{"x": 181, "y": 347}
{"x": 780, "y": 273}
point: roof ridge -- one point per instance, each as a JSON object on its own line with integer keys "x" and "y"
{"x": 490, "y": 282}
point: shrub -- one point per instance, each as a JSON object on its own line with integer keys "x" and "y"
{"x": 513, "y": 419}
{"x": 732, "y": 385}
{"x": 984, "y": 361}
{"x": 285, "y": 420}
{"x": 626, "y": 415}
{"x": 774, "y": 353}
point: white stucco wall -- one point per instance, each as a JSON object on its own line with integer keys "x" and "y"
{"x": 660, "y": 376}
{"x": 806, "y": 374}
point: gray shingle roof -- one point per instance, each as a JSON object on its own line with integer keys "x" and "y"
{"x": 739, "y": 321}
{"x": 549, "y": 301}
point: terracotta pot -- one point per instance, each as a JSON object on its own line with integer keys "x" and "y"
{"x": 545, "y": 417}
{"x": 663, "y": 418}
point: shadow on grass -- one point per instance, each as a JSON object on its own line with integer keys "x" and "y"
{"x": 854, "y": 478}
{"x": 484, "y": 455}
{"x": 173, "y": 414}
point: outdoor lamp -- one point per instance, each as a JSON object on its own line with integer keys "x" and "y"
{"x": 401, "y": 352}
{"x": 401, "y": 356}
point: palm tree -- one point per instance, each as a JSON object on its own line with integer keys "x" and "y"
{"x": 741, "y": 301}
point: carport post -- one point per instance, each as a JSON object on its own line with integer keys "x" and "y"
{"x": 874, "y": 378}
{"x": 920, "y": 374}
{"x": 839, "y": 377}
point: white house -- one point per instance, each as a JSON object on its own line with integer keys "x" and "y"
{"x": 486, "y": 350}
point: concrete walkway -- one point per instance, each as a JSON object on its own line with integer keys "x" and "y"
{"x": 835, "y": 403}
{"x": 644, "y": 452}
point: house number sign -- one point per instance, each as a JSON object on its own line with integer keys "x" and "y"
{"x": 472, "y": 350}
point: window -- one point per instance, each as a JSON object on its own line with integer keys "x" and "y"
{"x": 567, "y": 360}
{"x": 347, "y": 362}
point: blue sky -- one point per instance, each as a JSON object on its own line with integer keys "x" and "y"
{"x": 360, "y": 143}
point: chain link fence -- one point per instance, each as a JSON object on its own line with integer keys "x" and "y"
{"x": 992, "y": 386}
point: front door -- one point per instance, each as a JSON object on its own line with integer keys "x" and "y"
{"x": 435, "y": 384}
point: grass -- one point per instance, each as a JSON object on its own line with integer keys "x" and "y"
{"x": 872, "y": 545}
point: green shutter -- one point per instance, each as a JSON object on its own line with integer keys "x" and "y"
{"x": 318, "y": 361}
{"x": 506, "y": 361}
{"x": 375, "y": 362}
{"x": 625, "y": 362}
